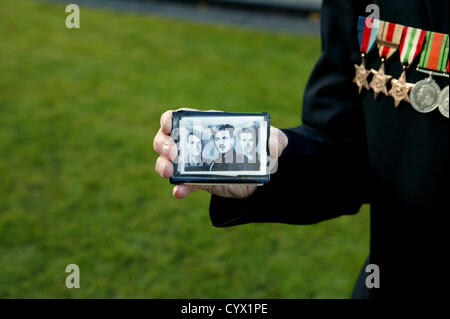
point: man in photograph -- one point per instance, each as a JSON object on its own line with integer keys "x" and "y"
{"x": 223, "y": 141}
{"x": 194, "y": 160}
{"x": 248, "y": 159}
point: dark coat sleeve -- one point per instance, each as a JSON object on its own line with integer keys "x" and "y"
{"x": 323, "y": 172}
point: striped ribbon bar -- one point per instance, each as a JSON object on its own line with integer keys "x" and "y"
{"x": 367, "y": 33}
{"x": 411, "y": 44}
{"x": 389, "y": 38}
{"x": 435, "y": 52}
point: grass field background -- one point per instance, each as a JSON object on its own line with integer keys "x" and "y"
{"x": 78, "y": 113}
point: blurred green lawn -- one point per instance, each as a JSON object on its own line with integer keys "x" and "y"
{"x": 78, "y": 112}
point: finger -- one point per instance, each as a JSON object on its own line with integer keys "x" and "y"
{"x": 166, "y": 122}
{"x": 165, "y": 146}
{"x": 164, "y": 167}
{"x": 166, "y": 119}
{"x": 181, "y": 191}
{"x": 274, "y": 147}
{"x": 273, "y": 165}
{"x": 277, "y": 142}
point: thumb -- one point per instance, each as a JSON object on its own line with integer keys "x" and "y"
{"x": 277, "y": 142}
{"x": 182, "y": 190}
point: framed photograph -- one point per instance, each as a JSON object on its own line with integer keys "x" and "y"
{"x": 221, "y": 147}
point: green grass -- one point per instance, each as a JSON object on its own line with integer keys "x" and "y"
{"x": 78, "y": 112}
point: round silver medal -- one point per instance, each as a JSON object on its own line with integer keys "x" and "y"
{"x": 443, "y": 101}
{"x": 424, "y": 95}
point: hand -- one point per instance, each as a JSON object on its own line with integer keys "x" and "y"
{"x": 167, "y": 150}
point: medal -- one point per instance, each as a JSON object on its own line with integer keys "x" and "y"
{"x": 379, "y": 81}
{"x": 443, "y": 100}
{"x": 389, "y": 37}
{"x": 426, "y": 93}
{"x": 400, "y": 89}
{"x": 409, "y": 48}
{"x": 367, "y": 34}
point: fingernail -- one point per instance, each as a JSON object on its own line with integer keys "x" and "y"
{"x": 175, "y": 190}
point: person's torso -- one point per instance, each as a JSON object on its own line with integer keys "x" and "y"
{"x": 408, "y": 156}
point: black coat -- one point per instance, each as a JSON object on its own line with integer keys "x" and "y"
{"x": 352, "y": 149}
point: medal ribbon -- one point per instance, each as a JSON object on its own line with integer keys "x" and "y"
{"x": 411, "y": 44}
{"x": 435, "y": 52}
{"x": 367, "y": 36}
{"x": 389, "y": 38}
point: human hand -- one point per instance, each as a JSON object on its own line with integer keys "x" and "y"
{"x": 167, "y": 150}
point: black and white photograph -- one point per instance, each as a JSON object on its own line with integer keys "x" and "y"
{"x": 221, "y": 144}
